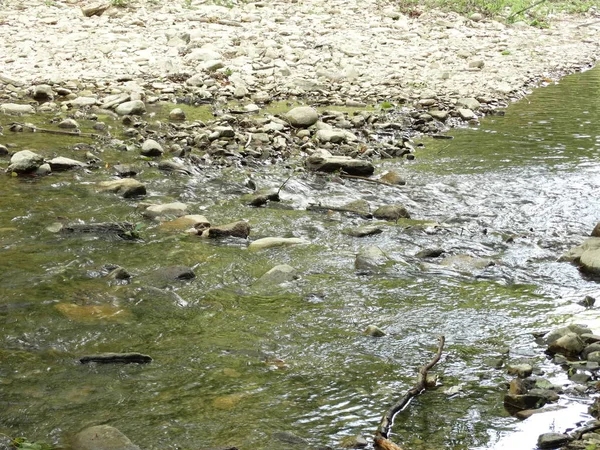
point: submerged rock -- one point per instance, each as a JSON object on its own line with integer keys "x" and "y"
{"x": 166, "y": 209}
{"x": 126, "y": 187}
{"x": 270, "y": 242}
{"x": 116, "y": 358}
{"x": 102, "y": 437}
{"x": 282, "y": 273}
{"x": 184, "y": 222}
{"x": 371, "y": 258}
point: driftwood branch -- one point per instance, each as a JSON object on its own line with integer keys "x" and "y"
{"x": 382, "y": 434}
{"x": 369, "y": 180}
{"x": 512, "y": 16}
{"x": 326, "y": 209}
{"x": 61, "y": 132}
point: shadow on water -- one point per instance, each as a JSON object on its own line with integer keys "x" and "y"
{"x": 240, "y": 363}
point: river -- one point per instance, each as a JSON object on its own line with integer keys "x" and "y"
{"x": 237, "y": 363}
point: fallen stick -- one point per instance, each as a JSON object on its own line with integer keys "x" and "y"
{"x": 61, "y": 132}
{"x": 326, "y": 209}
{"x": 382, "y": 434}
{"x": 370, "y": 180}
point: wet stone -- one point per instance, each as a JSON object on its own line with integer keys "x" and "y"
{"x": 151, "y": 148}
{"x": 102, "y": 437}
{"x": 553, "y": 440}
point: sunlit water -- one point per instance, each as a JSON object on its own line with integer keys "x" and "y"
{"x": 242, "y": 362}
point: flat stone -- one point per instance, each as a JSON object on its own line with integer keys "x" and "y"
{"x": 469, "y": 103}
{"x": 466, "y": 114}
{"x": 167, "y": 209}
{"x": 335, "y": 163}
{"x": 271, "y": 242}
{"x": 15, "y": 109}
{"x": 61, "y": 163}
{"x": 568, "y": 345}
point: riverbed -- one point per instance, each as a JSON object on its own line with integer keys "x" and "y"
{"x": 239, "y": 363}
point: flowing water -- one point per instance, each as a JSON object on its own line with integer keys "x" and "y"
{"x": 238, "y": 363}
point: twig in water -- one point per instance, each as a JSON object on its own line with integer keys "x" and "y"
{"x": 382, "y": 434}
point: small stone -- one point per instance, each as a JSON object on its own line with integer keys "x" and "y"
{"x": 391, "y": 213}
{"x": 439, "y": 115}
{"x": 568, "y": 345}
{"x": 520, "y": 370}
{"x": 177, "y": 114}
{"x": 302, "y": 116}
{"x": 371, "y": 259}
{"x": 515, "y": 403}
{"x": 42, "y": 92}
{"x": 469, "y": 103}
{"x": 134, "y": 107}
{"x": 466, "y": 114}
{"x": 125, "y": 170}
{"x": 354, "y": 442}
{"x": 151, "y": 148}
{"x": 373, "y": 330}
{"x": 102, "y": 437}
{"x": 69, "y": 124}
{"x": 3, "y": 150}
{"x": 239, "y": 229}
{"x": 126, "y": 187}
{"x": 476, "y": 64}
{"x": 587, "y": 302}
{"x": 368, "y": 230}
{"x": 95, "y": 9}
{"x": 430, "y": 253}
{"x": 476, "y": 17}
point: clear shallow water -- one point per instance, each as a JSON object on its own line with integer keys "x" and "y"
{"x": 242, "y": 362}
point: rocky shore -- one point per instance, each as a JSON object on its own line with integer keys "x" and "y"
{"x": 339, "y": 52}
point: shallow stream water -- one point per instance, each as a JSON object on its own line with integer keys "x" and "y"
{"x": 238, "y": 363}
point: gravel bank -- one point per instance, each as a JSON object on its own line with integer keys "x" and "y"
{"x": 342, "y": 51}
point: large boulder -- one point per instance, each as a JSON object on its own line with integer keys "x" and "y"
{"x": 25, "y": 161}
{"x": 102, "y": 437}
{"x": 574, "y": 254}
{"x": 302, "y": 116}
